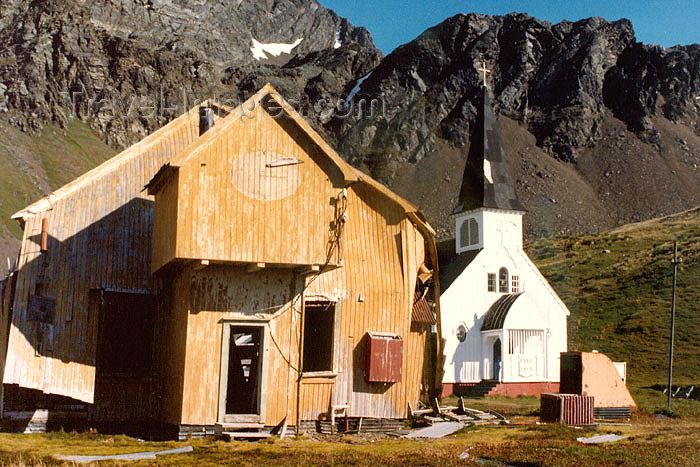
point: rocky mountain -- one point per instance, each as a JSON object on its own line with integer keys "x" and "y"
{"x": 128, "y": 66}
{"x": 601, "y": 130}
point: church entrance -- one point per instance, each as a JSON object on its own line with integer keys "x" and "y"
{"x": 497, "y": 359}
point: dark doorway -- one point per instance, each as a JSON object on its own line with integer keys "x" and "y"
{"x": 244, "y": 367}
{"x": 497, "y": 359}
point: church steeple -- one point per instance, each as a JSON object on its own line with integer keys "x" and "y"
{"x": 487, "y": 182}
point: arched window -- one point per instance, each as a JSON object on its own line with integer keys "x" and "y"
{"x": 473, "y": 232}
{"x": 464, "y": 234}
{"x": 503, "y": 280}
{"x": 468, "y": 233}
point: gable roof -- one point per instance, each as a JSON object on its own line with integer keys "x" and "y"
{"x": 487, "y": 181}
{"x": 498, "y": 312}
{"x": 454, "y": 265}
{"x": 350, "y": 173}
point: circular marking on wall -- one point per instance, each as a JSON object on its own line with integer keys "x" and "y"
{"x": 461, "y": 332}
{"x": 258, "y": 175}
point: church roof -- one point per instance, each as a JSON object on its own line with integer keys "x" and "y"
{"x": 487, "y": 181}
{"x": 498, "y": 312}
{"x": 451, "y": 266}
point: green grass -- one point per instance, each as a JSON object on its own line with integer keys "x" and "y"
{"x": 668, "y": 442}
{"x": 617, "y": 286}
{"x": 33, "y": 166}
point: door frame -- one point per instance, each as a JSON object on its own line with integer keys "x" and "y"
{"x": 223, "y": 417}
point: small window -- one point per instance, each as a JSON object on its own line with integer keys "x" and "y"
{"x": 319, "y": 319}
{"x": 515, "y": 284}
{"x": 503, "y": 280}
{"x": 492, "y": 282}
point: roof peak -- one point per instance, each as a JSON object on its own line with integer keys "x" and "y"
{"x": 487, "y": 181}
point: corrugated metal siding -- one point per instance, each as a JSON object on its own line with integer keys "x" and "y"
{"x": 570, "y": 409}
{"x": 100, "y": 236}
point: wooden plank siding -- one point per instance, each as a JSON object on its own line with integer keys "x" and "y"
{"x": 223, "y": 238}
{"x": 232, "y": 210}
{"x": 100, "y": 236}
{"x": 228, "y": 293}
{"x": 231, "y": 207}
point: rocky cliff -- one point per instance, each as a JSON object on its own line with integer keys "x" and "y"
{"x": 601, "y": 130}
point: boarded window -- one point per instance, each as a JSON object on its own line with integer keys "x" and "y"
{"x": 491, "y": 282}
{"x": 126, "y": 329}
{"x": 319, "y": 320}
{"x": 525, "y": 342}
{"x": 503, "y": 280}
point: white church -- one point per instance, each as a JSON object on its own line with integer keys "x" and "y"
{"x": 503, "y": 324}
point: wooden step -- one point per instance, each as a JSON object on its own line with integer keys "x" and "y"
{"x": 234, "y": 426}
{"x": 246, "y": 434}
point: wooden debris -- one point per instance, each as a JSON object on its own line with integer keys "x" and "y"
{"x": 459, "y": 414}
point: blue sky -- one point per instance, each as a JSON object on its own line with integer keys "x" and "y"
{"x": 395, "y": 22}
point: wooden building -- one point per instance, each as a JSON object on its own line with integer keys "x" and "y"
{"x": 258, "y": 278}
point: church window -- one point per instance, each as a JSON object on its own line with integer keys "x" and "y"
{"x": 464, "y": 234}
{"x": 503, "y": 280}
{"x": 515, "y": 283}
{"x": 469, "y": 233}
{"x": 492, "y": 282}
{"x": 473, "y": 232}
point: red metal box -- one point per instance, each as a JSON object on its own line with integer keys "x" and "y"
{"x": 384, "y": 358}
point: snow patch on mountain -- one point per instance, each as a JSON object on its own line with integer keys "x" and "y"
{"x": 337, "y": 42}
{"x": 356, "y": 89}
{"x": 261, "y": 50}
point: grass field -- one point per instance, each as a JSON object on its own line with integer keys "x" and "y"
{"x": 667, "y": 442}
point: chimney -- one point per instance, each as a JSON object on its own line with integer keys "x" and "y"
{"x": 206, "y": 119}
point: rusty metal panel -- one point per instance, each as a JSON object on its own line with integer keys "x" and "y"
{"x": 570, "y": 409}
{"x": 384, "y": 358}
{"x": 422, "y": 311}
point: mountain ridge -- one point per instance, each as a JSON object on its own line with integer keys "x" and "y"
{"x": 600, "y": 130}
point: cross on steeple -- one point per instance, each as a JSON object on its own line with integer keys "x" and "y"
{"x": 484, "y": 70}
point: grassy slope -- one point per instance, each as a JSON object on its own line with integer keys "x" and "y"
{"x": 618, "y": 288}
{"x": 33, "y": 166}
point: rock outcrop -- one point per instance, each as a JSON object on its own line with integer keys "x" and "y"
{"x": 128, "y": 66}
